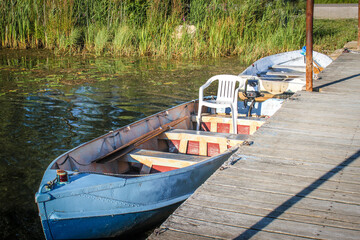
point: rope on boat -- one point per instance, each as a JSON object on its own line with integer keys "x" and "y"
{"x": 160, "y": 230}
{"x": 68, "y": 157}
{"x": 114, "y": 142}
{"x": 346, "y": 50}
{"x": 107, "y": 138}
{"x": 235, "y": 157}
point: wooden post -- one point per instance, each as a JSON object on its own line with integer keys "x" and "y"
{"x": 309, "y": 44}
{"x": 358, "y": 43}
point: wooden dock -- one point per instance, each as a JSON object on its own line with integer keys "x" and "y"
{"x": 300, "y": 179}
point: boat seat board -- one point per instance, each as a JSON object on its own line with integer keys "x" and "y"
{"x": 192, "y": 135}
{"x": 294, "y": 74}
{"x": 275, "y": 78}
{"x": 215, "y": 122}
{"x": 204, "y": 139}
{"x": 151, "y": 157}
{"x": 227, "y": 118}
{"x": 298, "y": 68}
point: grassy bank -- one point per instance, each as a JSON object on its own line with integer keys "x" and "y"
{"x": 149, "y": 28}
{"x": 330, "y": 35}
{"x": 335, "y": 1}
{"x": 172, "y": 29}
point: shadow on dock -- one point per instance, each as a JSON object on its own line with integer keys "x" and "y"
{"x": 265, "y": 221}
{"x": 317, "y": 88}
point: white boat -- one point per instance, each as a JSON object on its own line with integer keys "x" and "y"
{"x": 285, "y": 72}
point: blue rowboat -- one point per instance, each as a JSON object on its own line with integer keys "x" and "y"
{"x": 132, "y": 177}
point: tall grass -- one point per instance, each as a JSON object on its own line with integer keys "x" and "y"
{"x": 335, "y": 1}
{"x": 334, "y": 34}
{"x": 151, "y": 27}
{"x": 122, "y": 42}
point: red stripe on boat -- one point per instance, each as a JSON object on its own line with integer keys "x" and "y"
{"x": 213, "y": 149}
{"x": 223, "y": 127}
{"x": 193, "y": 147}
{"x": 159, "y": 168}
{"x": 243, "y": 129}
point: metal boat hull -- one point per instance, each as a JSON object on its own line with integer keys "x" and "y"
{"x": 106, "y": 226}
{"x": 97, "y": 205}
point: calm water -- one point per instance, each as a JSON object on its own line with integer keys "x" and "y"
{"x": 51, "y": 104}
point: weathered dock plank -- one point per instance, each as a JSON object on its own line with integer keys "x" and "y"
{"x": 257, "y": 207}
{"x": 350, "y": 212}
{"x": 291, "y": 189}
{"x": 241, "y": 220}
{"x": 253, "y": 170}
{"x": 288, "y": 181}
{"x": 215, "y": 230}
{"x": 298, "y": 154}
{"x": 300, "y": 179}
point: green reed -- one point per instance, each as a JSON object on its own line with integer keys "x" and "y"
{"x": 334, "y": 34}
{"x": 335, "y": 1}
{"x": 210, "y": 28}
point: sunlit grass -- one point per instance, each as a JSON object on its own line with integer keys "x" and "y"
{"x": 100, "y": 41}
{"x": 250, "y": 29}
{"x": 335, "y": 1}
{"x": 330, "y": 35}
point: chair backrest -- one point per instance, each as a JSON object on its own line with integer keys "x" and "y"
{"x": 227, "y": 87}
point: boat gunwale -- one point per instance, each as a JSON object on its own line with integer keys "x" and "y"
{"x": 144, "y": 178}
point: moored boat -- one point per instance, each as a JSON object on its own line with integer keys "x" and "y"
{"x": 285, "y": 72}
{"x": 135, "y": 176}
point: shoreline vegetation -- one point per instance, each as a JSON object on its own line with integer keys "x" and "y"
{"x": 169, "y": 29}
{"x": 335, "y": 1}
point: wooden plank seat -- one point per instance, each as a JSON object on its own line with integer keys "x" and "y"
{"x": 293, "y": 74}
{"x": 296, "y": 68}
{"x": 161, "y": 160}
{"x": 223, "y": 123}
{"x": 224, "y": 140}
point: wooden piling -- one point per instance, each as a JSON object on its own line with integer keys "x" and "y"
{"x": 358, "y": 43}
{"x": 309, "y": 44}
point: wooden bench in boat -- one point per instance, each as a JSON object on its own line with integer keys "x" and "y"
{"x": 223, "y": 123}
{"x": 161, "y": 161}
{"x": 296, "y": 68}
{"x": 293, "y": 74}
{"x": 200, "y": 142}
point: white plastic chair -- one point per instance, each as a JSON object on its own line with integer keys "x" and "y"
{"x": 227, "y": 96}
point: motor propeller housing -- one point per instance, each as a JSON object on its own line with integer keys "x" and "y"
{"x": 251, "y": 92}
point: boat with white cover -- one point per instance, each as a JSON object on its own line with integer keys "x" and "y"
{"x": 285, "y": 72}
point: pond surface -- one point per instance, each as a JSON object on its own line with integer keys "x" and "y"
{"x": 51, "y": 104}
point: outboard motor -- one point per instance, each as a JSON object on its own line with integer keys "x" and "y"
{"x": 252, "y": 91}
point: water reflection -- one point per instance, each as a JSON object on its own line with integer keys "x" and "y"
{"x": 51, "y": 104}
